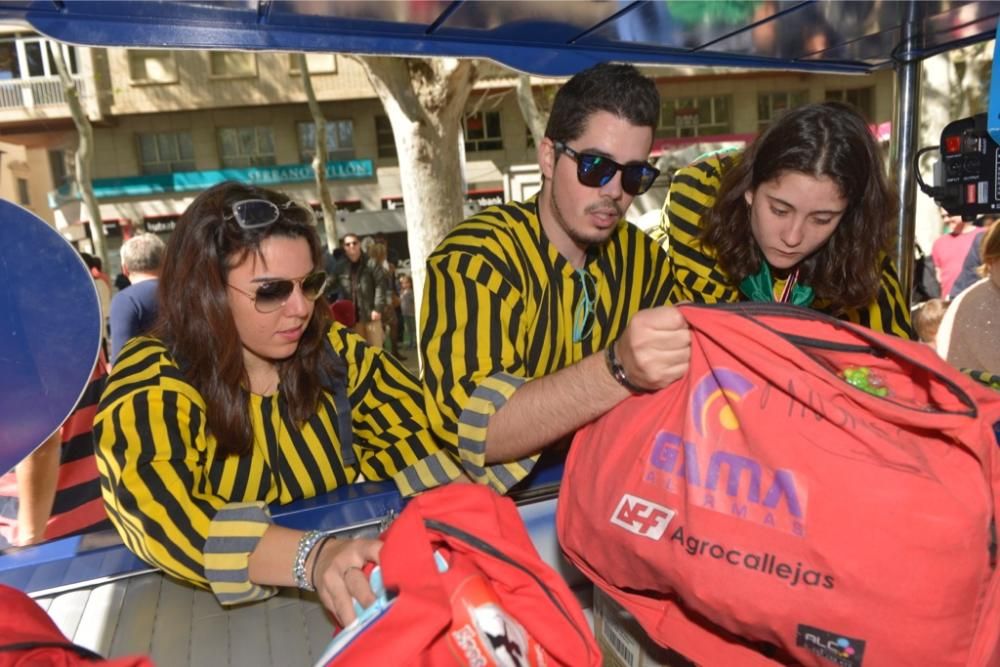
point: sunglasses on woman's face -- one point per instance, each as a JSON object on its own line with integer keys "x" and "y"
{"x": 255, "y": 213}
{"x": 273, "y": 294}
{"x": 595, "y": 171}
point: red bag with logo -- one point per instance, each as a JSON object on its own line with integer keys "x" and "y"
{"x": 29, "y": 638}
{"x": 811, "y": 492}
{"x": 497, "y": 605}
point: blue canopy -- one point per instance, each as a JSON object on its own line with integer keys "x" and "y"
{"x": 546, "y": 38}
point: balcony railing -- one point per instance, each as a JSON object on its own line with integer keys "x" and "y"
{"x": 36, "y": 92}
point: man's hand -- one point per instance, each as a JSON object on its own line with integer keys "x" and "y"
{"x": 376, "y": 316}
{"x": 655, "y": 348}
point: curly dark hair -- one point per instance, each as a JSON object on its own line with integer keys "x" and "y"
{"x": 829, "y": 139}
{"x": 618, "y": 89}
{"x": 197, "y": 326}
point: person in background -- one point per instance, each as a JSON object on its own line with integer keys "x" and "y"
{"x": 378, "y": 252}
{"x": 102, "y": 282}
{"x": 540, "y": 316}
{"x": 969, "y": 337}
{"x": 244, "y": 395}
{"x": 804, "y": 215}
{"x": 362, "y": 281}
{"x": 969, "y": 273}
{"x": 56, "y": 491}
{"x": 927, "y": 318}
{"x": 949, "y": 250}
{"x": 408, "y": 308}
{"x": 134, "y": 309}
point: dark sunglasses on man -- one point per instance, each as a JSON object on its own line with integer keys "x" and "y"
{"x": 271, "y": 295}
{"x": 595, "y": 171}
{"x": 256, "y": 213}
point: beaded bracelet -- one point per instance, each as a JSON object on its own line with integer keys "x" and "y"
{"x": 306, "y": 544}
{"x": 319, "y": 550}
{"x": 618, "y": 371}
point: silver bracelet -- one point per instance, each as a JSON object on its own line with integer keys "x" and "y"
{"x": 306, "y": 544}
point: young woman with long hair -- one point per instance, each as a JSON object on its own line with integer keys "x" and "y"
{"x": 803, "y": 215}
{"x": 246, "y": 395}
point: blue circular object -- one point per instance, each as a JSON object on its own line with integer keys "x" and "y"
{"x": 50, "y": 331}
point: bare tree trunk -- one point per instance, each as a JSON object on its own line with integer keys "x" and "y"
{"x": 326, "y": 202}
{"x": 425, "y": 100}
{"x": 83, "y": 154}
{"x": 534, "y": 118}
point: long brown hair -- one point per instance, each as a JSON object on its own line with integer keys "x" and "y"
{"x": 197, "y": 326}
{"x": 829, "y": 139}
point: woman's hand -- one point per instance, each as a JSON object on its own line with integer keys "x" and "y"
{"x": 338, "y": 577}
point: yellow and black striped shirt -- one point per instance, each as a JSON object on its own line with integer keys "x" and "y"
{"x": 698, "y": 277}
{"x": 183, "y": 506}
{"x": 498, "y": 310}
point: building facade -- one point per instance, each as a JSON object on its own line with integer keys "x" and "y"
{"x": 168, "y": 123}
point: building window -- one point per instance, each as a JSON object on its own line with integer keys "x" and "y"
{"x": 9, "y": 67}
{"x": 482, "y": 131}
{"x": 28, "y": 57}
{"x": 384, "y": 136}
{"x": 863, "y": 99}
{"x": 339, "y": 140}
{"x": 152, "y": 66}
{"x": 166, "y": 152}
{"x": 247, "y": 146}
{"x": 58, "y": 168}
{"x": 772, "y": 105}
{"x": 232, "y": 64}
{"x": 318, "y": 63}
{"x": 696, "y": 116}
{"x": 23, "y": 196}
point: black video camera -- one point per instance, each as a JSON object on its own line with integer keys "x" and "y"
{"x": 966, "y": 182}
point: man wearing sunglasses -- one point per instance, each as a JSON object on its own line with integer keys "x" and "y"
{"x": 540, "y": 316}
{"x": 362, "y": 281}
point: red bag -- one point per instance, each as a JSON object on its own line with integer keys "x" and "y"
{"x": 497, "y": 604}
{"x": 28, "y": 637}
{"x": 763, "y": 505}
{"x": 342, "y": 310}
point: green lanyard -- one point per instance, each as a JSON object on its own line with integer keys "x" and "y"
{"x": 583, "y": 317}
{"x": 760, "y": 287}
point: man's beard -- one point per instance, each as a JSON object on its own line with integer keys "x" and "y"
{"x": 576, "y": 236}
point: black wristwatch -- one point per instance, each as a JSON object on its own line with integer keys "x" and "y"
{"x": 618, "y": 371}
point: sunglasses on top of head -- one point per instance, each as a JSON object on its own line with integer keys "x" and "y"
{"x": 271, "y": 295}
{"x": 256, "y": 213}
{"x": 595, "y": 171}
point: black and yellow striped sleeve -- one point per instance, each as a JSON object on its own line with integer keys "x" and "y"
{"x": 890, "y": 312}
{"x": 470, "y": 323}
{"x": 697, "y": 277}
{"x": 150, "y": 437}
{"x": 392, "y": 436}
{"x": 991, "y": 380}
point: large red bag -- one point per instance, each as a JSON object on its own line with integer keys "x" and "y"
{"x": 497, "y": 605}
{"x": 763, "y": 510}
{"x": 29, "y": 638}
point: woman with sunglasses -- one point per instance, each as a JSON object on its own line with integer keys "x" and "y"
{"x": 246, "y": 395}
{"x": 804, "y": 215}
